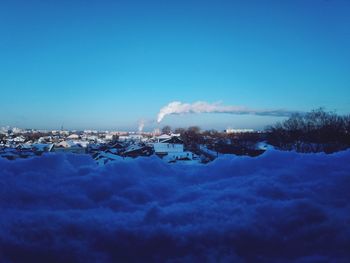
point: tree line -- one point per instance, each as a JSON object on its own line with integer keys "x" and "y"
{"x": 315, "y": 131}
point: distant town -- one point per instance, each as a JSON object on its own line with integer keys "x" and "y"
{"x": 316, "y": 131}
{"x": 182, "y": 145}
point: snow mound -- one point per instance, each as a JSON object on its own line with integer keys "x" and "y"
{"x": 278, "y": 207}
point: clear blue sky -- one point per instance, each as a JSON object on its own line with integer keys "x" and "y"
{"x": 108, "y": 64}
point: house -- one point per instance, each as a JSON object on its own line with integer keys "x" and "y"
{"x": 136, "y": 150}
{"x": 163, "y": 137}
{"x": 229, "y": 131}
{"x": 64, "y": 144}
{"x": 73, "y": 137}
{"x": 171, "y": 150}
{"x": 116, "y": 148}
{"x": 130, "y": 138}
{"x": 109, "y": 137}
{"x": 123, "y": 138}
{"x": 19, "y": 139}
{"x": 167, "y": 145}
{"x": 69, "y": 147}
{"x": 118, "y": 145}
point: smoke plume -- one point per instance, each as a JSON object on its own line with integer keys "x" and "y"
{"x": 177, "y": 107}
{"x": 141, "y": 125}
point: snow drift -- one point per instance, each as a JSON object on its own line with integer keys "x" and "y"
{"x": 177, "y": 107}
{"x": 278, "y": 207}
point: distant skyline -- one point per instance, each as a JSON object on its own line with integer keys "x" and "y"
{"x": 110, "y": 64}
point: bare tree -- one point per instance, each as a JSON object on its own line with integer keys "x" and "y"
{"x": 166, "y": 129}
{"x": 326, "y": 130}
{"x": 179, "y": 130}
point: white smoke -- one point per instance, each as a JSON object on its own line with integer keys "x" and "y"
{"x": 141, "y": 125}
{"x": 177, "y": 107}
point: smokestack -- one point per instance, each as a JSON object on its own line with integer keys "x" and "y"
{"x": 177, "y": 107}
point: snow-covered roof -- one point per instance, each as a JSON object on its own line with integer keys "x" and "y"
{"x": 73, "y": 136}
{"x": 67, "y": 144}
{"x": 83, "y": 144}
{"x": 164, "y": 137}
{"x": 174, "y": 140}
{"x": 133, "y": 147}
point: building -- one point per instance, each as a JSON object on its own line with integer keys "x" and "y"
{"x": 69, "y": 147}
{"x": 167, "y": 145}
{"x": 229, "y": 131}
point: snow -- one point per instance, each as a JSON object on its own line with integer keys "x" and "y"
{"x": 42, "y": 146}
{"x": 264, "y": 146}
{"x": 133, "y": 147}
{"x": 278, "y": 207}
{"x": 185, "y": 157}
{"x": 163, "y": 137}
{"x": 208, "y": 151}
{"x": 73, "y": 137}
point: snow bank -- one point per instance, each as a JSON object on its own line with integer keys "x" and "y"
{"x": 278, "y": 207}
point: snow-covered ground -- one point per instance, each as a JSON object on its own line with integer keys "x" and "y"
{"x": 212, "y": 153}
{"x": 278, "y": 207}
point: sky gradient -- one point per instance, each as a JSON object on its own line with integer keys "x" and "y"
{"x": 110, "y": 64}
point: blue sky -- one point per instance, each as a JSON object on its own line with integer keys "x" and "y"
{"x": 108, "y": 64}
